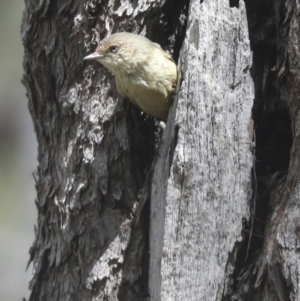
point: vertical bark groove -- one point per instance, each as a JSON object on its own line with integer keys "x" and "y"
{"x": 197, "y": 212}
{"x": 264, "y": 276}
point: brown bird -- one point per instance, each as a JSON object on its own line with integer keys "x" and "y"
{"x": 144, "y": 73}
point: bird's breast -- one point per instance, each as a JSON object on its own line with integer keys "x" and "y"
{"x": 150, "y": 97}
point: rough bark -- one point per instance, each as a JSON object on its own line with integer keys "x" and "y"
{"x": 93, "y": 148}
{"x": 206, "y": 189}
{"x": 282, "y": 247}
{"x": 273, "y": 271}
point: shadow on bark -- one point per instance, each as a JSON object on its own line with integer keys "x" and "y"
{"x": 258, "y": 270}
{"x": 92, "y": 162}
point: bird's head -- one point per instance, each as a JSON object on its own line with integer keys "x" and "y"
{"x": 121, "y": 52}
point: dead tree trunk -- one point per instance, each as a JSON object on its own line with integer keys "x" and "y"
{"x": 207, "y": 185}
{"x": 272, "y": 271}
{"x": 222, "y": 217}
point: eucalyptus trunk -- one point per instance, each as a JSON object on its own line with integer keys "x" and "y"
{"x": 219, "y": 188}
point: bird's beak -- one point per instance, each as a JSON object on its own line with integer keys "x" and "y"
{"x": 93, "y": 56}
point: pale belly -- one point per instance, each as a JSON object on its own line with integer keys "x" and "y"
{"x": 155, "y": 100}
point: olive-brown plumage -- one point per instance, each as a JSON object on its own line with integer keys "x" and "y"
{"x": 144, "y": 73}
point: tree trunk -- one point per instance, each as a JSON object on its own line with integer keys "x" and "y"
{"x": 223, "y": 218}
{"x": 93, "y": 149}
{"x": 273, "y": 271}
{"x": 207, "y": 186}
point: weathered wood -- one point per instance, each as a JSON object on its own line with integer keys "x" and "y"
{"x": 201, "y": 193}
{"x": 93, "y": 149}
{"x": 282, "y": 248}
{"x": 272, "y": 272}
{"x": 276, "y": 270}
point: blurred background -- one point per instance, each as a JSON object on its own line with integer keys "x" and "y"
{"x": 18, "y": 152}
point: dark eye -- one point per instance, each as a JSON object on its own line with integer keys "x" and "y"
{"x": 113, "y": 49}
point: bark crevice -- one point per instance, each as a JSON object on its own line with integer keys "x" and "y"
{"x": 261, "y": 277}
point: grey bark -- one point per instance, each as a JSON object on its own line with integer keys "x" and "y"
{"x": 224, "y": 217}
{"x": 93, "y": 149}
{"x": 207, "y": 187}
{"x": 275, "y": 270}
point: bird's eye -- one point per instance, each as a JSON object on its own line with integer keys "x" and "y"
{"x": 113, "y": 49}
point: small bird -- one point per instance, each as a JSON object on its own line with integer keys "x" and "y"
{"x": 144, "y": 72}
